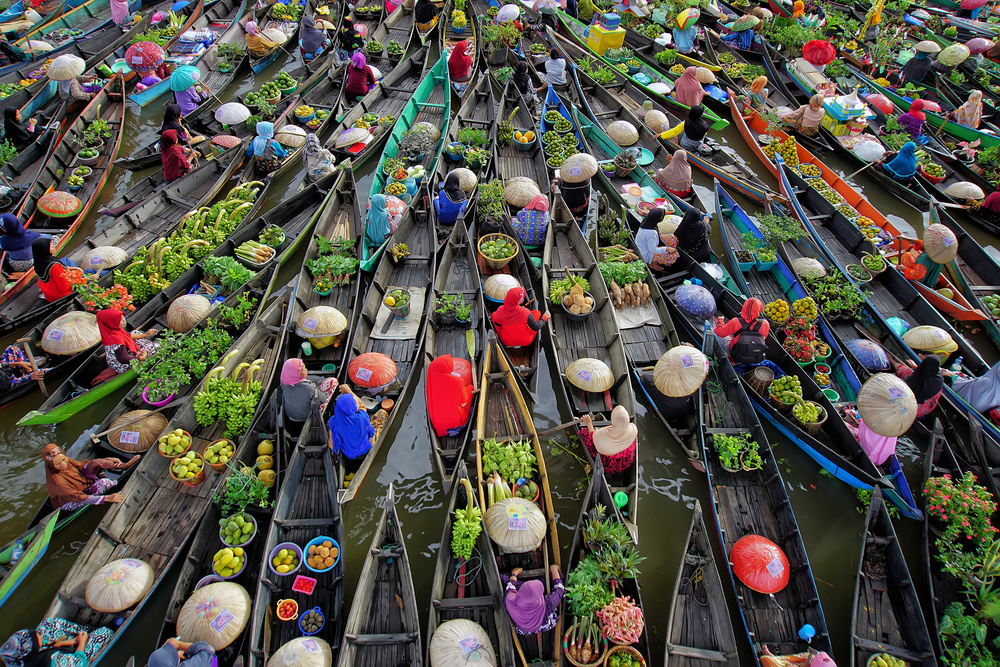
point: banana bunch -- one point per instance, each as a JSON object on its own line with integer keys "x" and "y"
{"x": 467, "y": 526}
{"x": 506, "y": 128}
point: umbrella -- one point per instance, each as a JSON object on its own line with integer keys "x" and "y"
{"x": 516, "y": 525}
{"x": 869, "y": 354}
{"x": 979, "y": 45}
{"x": 760, "y": 564}
{"x": 39, "y": 46}
{"x": 880, "y": 102}
{"x": 302, "y": 652}
{"x": 119, "y": 585}
{"x": 184, "y": 77}
{"x": 680, "y": 371}
{"x": 696, "y": 301}
{"x": 928, "y": 46}
{"x": 940, "y": 243}
{"x": 144, "y": 57}
{"x": 590, "y": 375}
{"x": 232, "y": 113}
{"x": 819, "y": 52}
{"x": 371, "y": 369}
{"x": 226, "y": 140}
{"x": 953, "y": 54}
{"x": 291, "y": 135}
{"x": 319, "y": 322}
{"x": 66, "y": 67}
{"x": 59, "y": 204}
{"x": 216, "y": 614}
{"x": 508, "y": 13}
{"x": 927, "y": 338}
{"x": 887, "y": 405}
{"x": 973, "y": 4}
{"x": 71, "y": 333}
{"x": 964, "y": 190}
{"x": 687, "y": 17}
{"x": 745, "y": 23}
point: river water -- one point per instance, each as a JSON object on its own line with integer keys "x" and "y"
{"x": 827, "y": 511}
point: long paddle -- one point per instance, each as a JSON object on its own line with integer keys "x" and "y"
{"x": 558, "y": 428}
{"x": 858, "y": 171}
{"x": 34, "y": 365}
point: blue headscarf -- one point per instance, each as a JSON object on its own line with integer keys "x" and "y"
{"x": 265, "y": 131}
{"x": 14, "y": 236}
{"x": 378, "y": 220}
{"x": 904, "y": 165}
{"x": 351, "y": 428}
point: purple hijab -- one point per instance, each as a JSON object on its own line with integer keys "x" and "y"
{"x": 526, "y": 606}
{"x": 358, "y": 60}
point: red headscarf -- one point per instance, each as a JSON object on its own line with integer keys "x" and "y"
{"x": 512, "y": 312}
{"x": 688, "y": 90}
{"x": 915, "y": 109}
{"x": 460, "y": 61}
{"x": 449, "y": 393}
{"x": 109, "y": 322}
{"x": 175, "y": 164}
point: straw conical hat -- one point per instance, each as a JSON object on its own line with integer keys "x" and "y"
{"x": 186, "y": 311}
{"x": 136, "y": 431}
{"x": 461, "y": 642}
{"x": 351, "y": 136}
{"x": 887, "y": 405}
{"x": 940, "y": 243}
{"x": 590, "y": 375}
{"x": 320, "y": 322}
{"x": 275, "y": 35}
{"x": 623, "y": 133}
{"x": 928, "y": 46}
{"x": 497, "y": 286}
{"x": 430, "y": 129}
{"x": 519, "y": 191}
{"x": 119, "y": 585}
{"x": 291, "y": 135}
{"x": 71, "y": 333}
{"x": 680, "y": 371}
{"x": 466, "y": 178}
{"x": 579, "y": 167}
{"x": 529, "y": 530}
{"x": 964, "y": 190}
{"x": 704, "y": 75}
{"x": 655, "y": 120}
{"x": 103, "y": 257}
{"x": 927, "y": 338}
{"x": 302, "y": 652}
{"x": 216, "y": 614}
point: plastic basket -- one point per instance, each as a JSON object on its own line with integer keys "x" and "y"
{"x": 174, "y": 456}
{"x": 190, "y": 481}
{"x": 625, "y": 649}
{"x": 497, "y": 264}
{"x": 274, "y": 552}
{"x": 322, "y": 625}
{"x": 316, "y": 541}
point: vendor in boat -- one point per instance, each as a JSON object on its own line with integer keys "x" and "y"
{"x": 692, "y": 235}
{"x": 460, "y": 63}
{"x": 757, "y": 93}
{"x": 190, "y": 98}
{"x": 121, "y": 348}
{"x": 172, "y": 116}
{"x": 380, "y": 223}
{"x": 744, "y": 33}
{"x": 799, "y": 12}
{"x": 576, "y": 195}
{"x": 348, "y": 38}
{"x": 671, "y": 407}
{"x": 571, "y": 9}
{"x": 20, "y": 134}
{"x": 317, "y": 160}
{"x": 258, "y": 45}
{"x": 120, "y": 13}
{"x": 176, "y": 160}
{"x": 451, "y": 201}
{"x": 584, "y": 10}
{"x": 10, "y": 54}
{"x": 806, "y": 119}
{"x": 522, "y": 81}
{"x": 614, "y": 443}
{"x": 449, "y": 394}
{"x": 16, "y": 369}
{"x": 685, "y": 32}
{"x": 926, "y": 380}
{"x": 265, "y": 149}
{"x": 688, "y": 90}
{"x": 175, "y": 653}
{"x": 299, "y": 394}
{"x": 691, "y": 131}
{"x": 360, "y": 78}
{"x": 913, "y": 120}
{"x": 917, "y": 67}
{"x": 56, "y": 642}
{"x": 548, "y": 10}
{"x": 312, "y": 39}
{"x": 352, "y": 431}
{"x": 55, "y": 277}
{"x": 982, "y": 393}
{"x": 532, "y": 221}
{"x": 989, "y": 208}
{"x": 15, "y": 242}
{"x": 425, "y": 14}
{"x": 72, "y": 90}
{"x": 555, "y": 73}
{"x": 531, "y": 610}
{"x": 515, "y": 324}
{"x": 748, "y": 331}
{"x": 75, "y": 484}
{"x": 647, "y": 240}
{"x": 901, "y": 165}
{"x": 970, "y": 113}
{"x": 676, "y": 176}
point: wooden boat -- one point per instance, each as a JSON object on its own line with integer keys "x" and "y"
{"x": 161, "y": 514}
{"x": 429, "y": 103}
{"x": 266, "y": 21}
{"x": 887, "y": 616}
{"x": 465, "y": 590}
{"x": 699, "y": 628}
{"x": 449, "y": 38}
{"x": 456, "y": 276}
{"x": 23, "y": 170}
{"x": 383, "y": 627}
{"x": 379, "y": 331}
{"x": 88, "y": 17}
{"x": 48, "y": 9}
{"x": 754, "y": 502}
{"x": 35, "y": 542}
{"x": 505, "y": 417}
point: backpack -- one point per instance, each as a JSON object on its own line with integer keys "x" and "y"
{"x": 750, "y": 346}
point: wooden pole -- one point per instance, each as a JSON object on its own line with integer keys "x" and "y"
{"x": 26, "y": 342}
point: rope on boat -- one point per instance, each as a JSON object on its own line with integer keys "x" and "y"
{"x": 714, "y": 386}
{"x": 696, "y": 580}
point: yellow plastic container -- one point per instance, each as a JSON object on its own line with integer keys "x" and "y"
{"x": 600, "y": 39}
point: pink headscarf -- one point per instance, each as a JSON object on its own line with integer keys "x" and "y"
{"x": 252, "y": 28}
{"x": 688, "y": 90}
{"x": 878, "y": 447}
{"x": 119, "y": 11}
{"x": 291, "y": 371}
{"x": 526, "y": 606}
{"x": 539, "y": 203}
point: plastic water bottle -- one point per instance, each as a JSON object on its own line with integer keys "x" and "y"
{"x": 17, "y": 552}
{"x": 957, "y": 366}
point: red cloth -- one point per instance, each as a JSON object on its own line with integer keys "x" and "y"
{"x": 460, "y": 62}
{"x": 449, "y": 393}
{"x": 620, "y": 462}
{"x": 359, "y": 80}
{"x": 915, "y": 109}
{"x": 58, "y": 284}
{"x": 511, "y": 320}
{"x": 751, "y": 311}
{"x": 175, "y": 164}
{"x": 109, "y": 323}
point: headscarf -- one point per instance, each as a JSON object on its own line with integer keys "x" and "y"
{"x": 453, "y": 188}
{"x": 618, "y": 437}
{"x": 378, "y": 219}
{"x": 351, "y": 427}
{"x": 252, "y": 28}
{"x": 265, "y": 131}
{"x": 676, "y": 176}
{"x": 312, "y": 37}
{"x": 585, "y": 10}
{"x": 172, "y": 121}
{"x": 447, "y": 392}
{"x": 42, "y": 259}
{"x": 904, "y": 165}
{"x": 688, "y": 90}
{"x": 511, "y": 311}
{"x": 751, "y": 310}
{"x": 814, "y": 111}
{"x": 119, "y": 11}
{"x": 992, "y": 202}
{"x": 15, "y": 236}
{"x": 526, "y": 606}
{"x": 291, "y": 371}
{"x": 109, "y": 323}
{"x": 758, "y": 85}
{"x": 691, "y": 233}
{"x": 538, "y": 203}
{"x": 694, "y": 126}
{"x": 424, "y": 11}
{"x": 917, "y": 67}
{"x": 358, "y": 60}
{"x": 798, "y": 9}
{"x": 969, "y": 113}
{"x": 926, "y": 381}
{"x": 521, "y": 78}
{"x": 314, "y": 155}
{"x": 877, "y": 14}
{"x": 878, "y": 447}
{"x": 18, "y": 135}
{"x": 915, "y": 109}
{"x": 653, "y": 219}
{"x": 63, "y": 485}
{"x": 175, "y": 164}
{"x": 460, "y": 61}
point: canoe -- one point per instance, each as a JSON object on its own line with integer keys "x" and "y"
{"x": 699, "y": 627}
{"x": 396, "y": 27}
{"x": 266, "y": 21}
{"x": 88, "y": 17}
{"x": 23, "y": 170}
{"x": 161, "y": 514}
{"x": 12, "y": 576}
{"x": 885, "y": 622}
{"x": 306, "y": 508}
{"x": 504, "y": 416}
{"x": 449, "y": 38}
{"x": 401, "y": 340}
{"x": 457, "y": 593}
{"x": 456, "y": 276}
{"x": 755, "y": 502}
{"x": 383, "y": 627}
{"x": 429, "y": 103}
{"x": 48, "y": 10}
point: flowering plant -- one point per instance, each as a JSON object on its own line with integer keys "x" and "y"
{"x": 968, "y": 149}
{"x": 801, "y": 349}
{"x": 964, "y": 508}
{"x": 95, "y": 297}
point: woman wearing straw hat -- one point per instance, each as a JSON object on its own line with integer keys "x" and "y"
{"x": 614, "y": 443}
{"x": 744, "y": 33}
{"x": 917, "y": 67}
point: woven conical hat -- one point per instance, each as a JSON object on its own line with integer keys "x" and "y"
{"x": 927, "y": 338}
{"x": 216, "y": 614}
{"x": 466, "y": 178}
{"x": 519, "y": 191}
{"x": 351, "y": 136}
{"x": 623, "y": 133}
{"x": 302, "y": 652}
{"x": 887, "y": 405}
{"x": 103, "y": 257}
{"x": 71, "y": 333}
{"x": 590, "y": 375}
{"x": 807, "y": 267}
{"x": 940, "y": 243}
{"x": 186, "y": 311}
{"x": 680, "y": 371}
{"x": 526, "y": 536}
{"x": 136, "y": 431}
{"x": 119, "y": 585}
{"x": 579, "y": 167}
{"x": 497, "y": 286}
{"x": 461, "y": 642}
{"x": 320, "y": 322}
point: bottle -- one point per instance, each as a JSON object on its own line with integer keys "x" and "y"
{"x": 17, "y": 552}
{"x": 957, "y": 366}
{"x": 307, "y": 348}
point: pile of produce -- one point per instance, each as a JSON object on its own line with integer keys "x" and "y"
{"x": 228, "y": 562}
{"x": 227, "y": 399}
{"x": 559, "y": 287}
{"x": 807, "y": 412}
{"x": 992, "y": 303}
{"x": 835, "y": 294}
{"x": 236, "y": 529}
{"x": 323, "y": 555}
{"x": 524, "y": 137}
{"x": 174, "y": 443}
{"x": 8, "y": 89}
{"x": 810, "y": 171}
{"x": 885, "y": 660}
{"x": 512, "y": 460}
{"x": 187, "y": 465}
{"x": 626, "y": 283}
{"x": 576, "y": 301}
{"x": 311, "y": 622}
{"x": 226, "y": 272}
{"x": 269, "y": 90}
{"x": 88, "y": 153}
{"x": 506, "y": 128}
{"x": 220, "y": 452}
{"x": 787, "y": 149}
{"x": 786, "y": 384}
{"x": 285, "y": 561}
{"x": 283, "y": 12}
{"x": 777, "y": 311}
{"x": 304, "y": 111}
{"x": 182, "y": 357}
{"x": 498, "y": 248}
{"x": 397, "y": 298}
{"x": 805, "y": 308}
{"x": 284, "y": 80}
{"x": 393, "y": 48}
{"x": 395, "y": 189}
{"x": 558, "y": 149}
{"x": 255, "y": 252}
{"x": 334, "y": 260}
{"x": 467, "y": 526}
{"x": 399, "y": 251}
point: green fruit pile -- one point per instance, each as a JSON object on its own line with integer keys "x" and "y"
{"x": 187, "y": 465}
{"x": 228, "y": 562}
{"x": 220, "y": 452}
{"x": 88, "y": 153}
{"x": 528, "y": 490}
{"x": 285, "y": 80}
{"x": 174, "y": 443}
{"x": 787, "y": 149}
{"x": 498, "y": 248}
{"x": 270, "y": 90}
{"x": 992, "y": 303}
{"x": 884, "y": 660}
{"x": 807, "y": 412}
{"x": 563, "y": 125}
{"x": 512, "y": 460}
{"x": 786, "y": 384}
{"x": 552, "y": 116}
{"x": 286, "y": 561}
{"x": 236, "y": 529}
{"x": 624, "y": 660}
{"x": 805, "y": 308}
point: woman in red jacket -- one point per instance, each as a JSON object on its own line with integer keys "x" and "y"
{"x": 516, "y": 325}
{"x": 449, "y": 394}
{"x": 360, "y": 78}
{"x": 750, "y": 324}
{"x": 54, "y": 279}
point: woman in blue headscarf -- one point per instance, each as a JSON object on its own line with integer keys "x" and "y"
{"x": 380, "y": 223}
{"x": 351, "y": 431}
{"x": 686, "y": 31}
{"x": 15, "y": 241}
{"x": 903, "y": 165}
{"x": 268, "y": 152}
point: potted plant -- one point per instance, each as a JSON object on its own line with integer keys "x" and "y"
{"x": 454, "y": 151}
{"x": 473, "y": 136}
{"x": 745, "y": 259}
{"x": 859, "y": 273}
{"x": 491, "y": 36}
{"x": 732, "y": 449}
{"x": 666, "y": 57}
{"x": 463, "y": 314}
{"x": 458, "y": 21}
{"x": 476, "y": 158}
{"x": 414, "y": 144}
{"x": 446, "y": 308}
{"x": 240, "y": 489}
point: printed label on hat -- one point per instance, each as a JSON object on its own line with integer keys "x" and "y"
{"x": 687, "y": 361}
{"x": 575, "y": 171}
{"x": 222, "y": 619}
{"x": 311, "y": 646}
{"x": 775, "y": 568}
{"x": 469, "y": 646}
{"x": 55, "y": 335}
{"x": 517, "y": 523}
{"x": 364, "y": 374}
{"x": 895, "y": 392}
{"x": 96, "y": 259}
{"x": 129, "y": 437}
{"x": 948, "y": 241}
{"x": 136, "y": 60}
{"x": 310, "y": 324}
{"x": 584, "y": 375}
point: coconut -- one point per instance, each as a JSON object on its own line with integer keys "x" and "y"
{"x": 623, "y": 133}
{"x": 655, "y": 120}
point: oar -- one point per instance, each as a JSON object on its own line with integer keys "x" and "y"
{"x": 858, "y": 171}
{"x": 34, "y": 365}
{"x": 172, "y": 404}
{"x": 558, "y": 428}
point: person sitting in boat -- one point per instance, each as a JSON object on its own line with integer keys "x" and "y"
{"x": 744, "y": 33}
{"x": 451, "y": 201}
{"x": 585, "y": 10}
{"x": 671, "y": 407}
{"x": 72, "y": 90}
{"x": 571, "y": 9}
{"x": 799, "y": 12}
{"x": 312, "y": 40}
{"x": 917, "y": 67}
{"x": 913, "y": 120}
{"x": 676, "y": 176}
{"x": 74, "y": 484}
{"x": 265, "y": 149}
{"x": 685, "y": 33}
{"x": 15, "y": 242}
{"x": 811, "y": 658}
{"x": 10, "y": 54}
{"x": 380, "y": 223}
{"x": 749, "y": 333}
{"x": 449, "y": 394}
{"x": 688, "y": 89}
{"x": 516, "y": 325}
{"x": 120, "y": 348}
{"x": 983, "y": 392}
{"x": 14, "y": 131}
{"x": 172, "y": 116}
{"x": 522, "y": 82}
{"x": 175, "y": 653}
{"x": 555, "y": 73}
{"x": 175, "y": 160}
{"x": 120, "y": 13}
{"x": 55, "y": 276}
{"x": 548, "y": 10}
{"x": 16, "y": 369}
{"x": 460, "y": 63}
{"x": 989, "y": 208}
{"x": 360, "y": 78}
{"x": 614, "y": 443}
{"x": 348, "y": 38}
{"x": 532, "y": 221}
{"x": 970, "y": 113}
{"x": 425, "y": 15}
{"x": 806, "y": 119}
{"x": 318, "y": 161}
{"x": 757, "y": 93}
{"x": 56, "y": 642}
{"x": 531, "y": 610}
{"x": 191, "y": 98}
{"x": 901, "y": 165}
{"x": 692, "y": 235}
{"x": 299, "y": 393}
{"x": 576, "y": 195}
{"x": 258, "y": 45}
{"x": 647, "y": 240}
{"x": 691, "y": 131}
{"x": 352, "y": 431}
{"x": 926, "y": 381}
